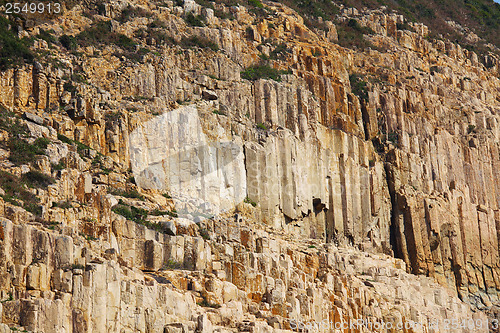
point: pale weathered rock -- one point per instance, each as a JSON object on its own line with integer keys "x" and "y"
{"x": 153, "y": 255}
{"x": 270, "y": 171}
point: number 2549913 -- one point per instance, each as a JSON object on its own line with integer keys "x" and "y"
{"x": 41, "y": 8}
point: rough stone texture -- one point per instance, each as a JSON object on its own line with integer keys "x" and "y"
{"x": 286, "y": 281}
{"x": 327, "y": 206}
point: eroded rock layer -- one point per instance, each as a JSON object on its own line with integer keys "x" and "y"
{"x": 175, "y": 195}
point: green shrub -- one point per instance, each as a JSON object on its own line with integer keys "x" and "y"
{"x": 157, "y": 212}
{"x": 132, "y": 194}
{"x": 47, "y": 35}
{"x": 255, "y": 3}
{"x": 351, "y": 35}
{"x": 69, "y": 42}
{"x": 194, "y": 21}
{"x": 139, "y": 215}
{"x": 37, "y": 179}
{"x": 124, "y": 211}
{"x": 195, "y": 41}
{"x": 131, "y": 12}
{"x": 261, "y": 126}
{"x": 113, "y": 116}
{"x": 62, "y": 204}
{"x": 98, "y": 32}
{"x": 249, "y": 201}
{"x": 13, "y": 51}
{"x": 393, "y": 137}
{"x": 204, "y": 234}
{"x": 11, "y": 123}
{"x": 69, "y": 87}
{"x": 172, "y": 264}
{"x": 358, "y": 87}
{"x": 64, "y": 139}
{"x": 14, "y": 187}
{"x": 325, "y": 9}
{"x": 22, "y": 152}
{"x": 101, "y": 33}
{"x": 404, "y": 26}
{"x": 59, "y": 166}
{"x": 279, "y": 51}
{"x": 16, "y": 191}
{"x": 257, "y": 72}
{"x": 204, "y": 303}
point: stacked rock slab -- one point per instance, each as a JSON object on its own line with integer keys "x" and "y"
{"x": 412, "y": 170}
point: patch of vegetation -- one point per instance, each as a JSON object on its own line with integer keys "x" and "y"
{"x": 131, "y": 12}
{"x": 64, "y": 139}
{"x": 481, "y": 16}
{"x": 351, "y": 35}
{"x": 312, "y": 9}
{"x": 261, "y": 126}
{"x": 47, "y": 35}
{"x": 201, "y": 42}
{"x": 218, "y": 112}
{"x": 204, "y": 233}
{"x": 255, "y": 3}
{"x": 101, "y": 32}
{"x": 393, "y": 137}
{"x": 37, "y": 179}
{"x": 16, "y": 192}
{"x": 10, "y": 298}
{"x": 358, "y": 87}
{"x": 11, "y": 123}
{"x": 69, "y": 87}
{"x": 88, "y": 237}
{"x": 80, "y": 147}
{"x": 156, "y": 31}
{"x": 132, "y": 194}
{"x": 132, "y": 213}
{"x": 249, "y": 201}
{"x": 52, "y": 225}
{"x": 157, "y": 212}
{"x": 62, "y": 204}
{"x": 194, "y": 21}
{"x": 59, "y": 166}
{"x": 404, "y": 26}
{"x": 69, "y": 42}
{"x": 279, "y": 51}
{"x": 113, "y": 116}
{"x": 23, "y": 152}
{"x": 139, "y": 215}
{"x": 204, "y": 303}
{"x": 257, "y": 72}
{"x": 172, "y": 264}
{"x": 471, "y": 129}
{"x": 263, "y": 56}
{"x": 13, "y": 51}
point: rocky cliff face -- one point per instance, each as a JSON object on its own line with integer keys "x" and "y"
{"x": 171, "y": 188}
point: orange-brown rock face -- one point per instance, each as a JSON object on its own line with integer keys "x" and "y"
{"x": 441, "y": 115}
{"x": 174, "y": 191}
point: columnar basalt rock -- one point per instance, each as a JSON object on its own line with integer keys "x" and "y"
{"x": 189, "y": 199}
